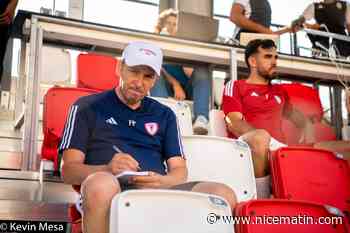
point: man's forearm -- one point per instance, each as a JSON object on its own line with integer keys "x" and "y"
{"x": 175, "y": 176}
{"x": 13, "y": 4}
{"x": 309, "y": 132}
{"x": 238, "y": 127}
{"x": 250, "y": 25}
{"x": 170, "y": 78}
{"x": 76, "y": 173}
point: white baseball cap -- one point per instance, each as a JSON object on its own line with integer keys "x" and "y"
{"x": 143, "y": 53}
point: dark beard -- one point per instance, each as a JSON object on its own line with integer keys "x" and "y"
{"x": 267, "y": 76}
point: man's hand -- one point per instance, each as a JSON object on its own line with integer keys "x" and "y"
{"x": 153, "y": 180}
{"x": 308, "y": 133}
{"x": 188, "y": 71}
{"x": 179, "y": 93}
{"x": 122, "y": 162}
{"x": 7, "y": 16}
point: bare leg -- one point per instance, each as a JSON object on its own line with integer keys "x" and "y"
{"x": 258, "y": 141}
{"x": 98, "y": 191}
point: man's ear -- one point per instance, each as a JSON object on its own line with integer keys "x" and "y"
{"x": 119, "y": 67}
{"x": 252, "y": 61}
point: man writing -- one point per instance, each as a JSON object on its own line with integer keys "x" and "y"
{"x": 123, "y": 130}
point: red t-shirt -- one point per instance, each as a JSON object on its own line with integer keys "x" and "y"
{"x": 261, "y": 105}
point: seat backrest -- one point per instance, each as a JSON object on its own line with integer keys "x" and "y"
{"x": 182, "y": 111}
{"x": 57, "y": 102}
{"x": 144, "y": 211}
{"x": 217, "y": 125}
{"x": 291, "y": 132}
{"x": 346, "y": 132}
{"x": 305, "y": 99}
{"x": 324, "y": 132}
{"x": 57, "y": 69}
{"x": 312, "y": 175}
{"x": 294, "y": 216}
{"x": 96, "y": 71}
{"x": 218, "y": 88}
{"x": 221, "y": 160}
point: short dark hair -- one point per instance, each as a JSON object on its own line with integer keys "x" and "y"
{"x": 254, "y": 45}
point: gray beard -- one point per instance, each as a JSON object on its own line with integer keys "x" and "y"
{"x": 128, "y": 101}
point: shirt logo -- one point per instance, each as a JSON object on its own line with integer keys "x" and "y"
{"x": 278, "y": 99}
{"x": 111, "y": 121}
{"x": 152, "y": 128}
{"x": 132, "y": 123}
{"x": 254, "y": 94}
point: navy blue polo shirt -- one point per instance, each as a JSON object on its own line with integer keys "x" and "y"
{"x": 99, "y": 123}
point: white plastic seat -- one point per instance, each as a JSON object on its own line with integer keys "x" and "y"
{"x": 346, "y": 132}
{"x": 217, "y": 125}
{"x": 218, "y": 87}
{"x": 182, "y": 111}
{"x": 57, "y": 69}
{"x": 221, "y": 160}
{"x": 167, "y": 211}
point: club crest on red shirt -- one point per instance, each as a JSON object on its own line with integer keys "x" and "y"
{"x": 152, "y": 128}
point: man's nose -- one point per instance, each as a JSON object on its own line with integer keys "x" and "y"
{"x": 139, "y": 80}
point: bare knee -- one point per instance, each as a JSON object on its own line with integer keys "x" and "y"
{"x": 218, "y": 189}
{"x": 260, "y": 139}
{"x": 99, "y": 189}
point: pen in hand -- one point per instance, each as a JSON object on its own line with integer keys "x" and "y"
{"x": 116, "y": 149}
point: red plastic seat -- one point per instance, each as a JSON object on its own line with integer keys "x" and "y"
{"x": 305, "y": 99}
{"x": 276, "y": 216}
{"x": 98, "y": 72}
{"x": 311, "y": 175}
{"x": 57, "y": 102}
{"x": 324, "y": 132}
{"x": 291, "y": 132}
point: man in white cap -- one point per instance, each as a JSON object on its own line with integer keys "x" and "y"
{"x": 123, "y": 130}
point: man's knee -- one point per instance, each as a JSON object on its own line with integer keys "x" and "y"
{"x": 261, "y": 137}
{"x": 99, "y": 188}
{"x": 258, "y": 140}
{"x": 218, "y": 189}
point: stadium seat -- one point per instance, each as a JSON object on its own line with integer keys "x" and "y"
{"x": 57, "y": 69}
{"x": 182, "y": 111}
{"x": 291, "y": 132}
{"x": 217, "y": 125}
{"x": 324, "y": 132}
{"x": 346, "y": 132}
{"x": 170, "y": 211}
{"x": 98, "y": 72}
{"x": 312, "y": 175}
{"x": 306, "y": 100}
{"x": 218, "y": 90}
{"x": 57, "y": 102}
{"x": 275, "y": 216}
{"x": 221, "y": 160}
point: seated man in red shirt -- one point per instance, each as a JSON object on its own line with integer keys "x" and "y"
{"x": 254, "y": 107}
